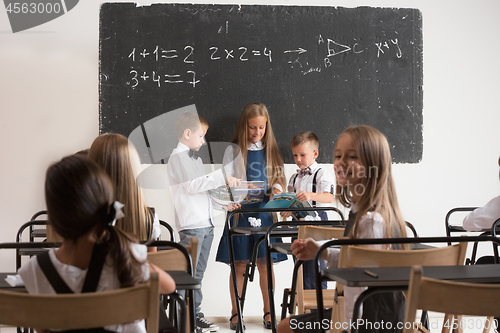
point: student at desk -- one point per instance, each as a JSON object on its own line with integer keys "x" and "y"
{"x": 483, "y": 217}
{"x": 362, "y": 163}
{"x": 311, "y": 183}
{"x": 94, "y": 255}
{"x": 118, "y": 157}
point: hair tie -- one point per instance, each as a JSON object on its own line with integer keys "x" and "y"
{"x": 115, "y": 213}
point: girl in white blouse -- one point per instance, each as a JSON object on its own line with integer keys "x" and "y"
{"x": 82, "y": 210}
{"x": 362, "y": 163}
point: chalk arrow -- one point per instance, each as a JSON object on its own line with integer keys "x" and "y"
{"x": 299, "y": 51}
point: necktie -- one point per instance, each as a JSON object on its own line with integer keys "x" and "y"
{"x": 193, "y": 154}
{"x": 303, "y": 172}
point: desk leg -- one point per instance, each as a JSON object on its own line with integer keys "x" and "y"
{"x": 250, "y": 271}
{"x": 192, "y": 310}
{"x": 239, "y": 328}
{"x": 270, "y": 288}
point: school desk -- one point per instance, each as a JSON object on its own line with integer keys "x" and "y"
{"x": 279, "y": 229}
{"x": 381, "y": 279}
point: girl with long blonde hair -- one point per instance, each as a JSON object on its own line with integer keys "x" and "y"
{"x": 363, "y": 169}
{"x": 118, "y": 157}
{"x": 255, "y": 156}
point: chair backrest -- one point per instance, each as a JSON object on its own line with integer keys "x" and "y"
{"x": 450, "y": 228}
{"x": 173, "y": 259}
{"x": 28, "y": 228}
{"x": 51, "y": 235}
{"x": 320, "y": 233}
{"x": 412, "y": 229}
{"x": 355, "y": 256}
{"x": 449, "y": 297}
{"x": 169, "y": 228}
{"x": 80, "y": 311}
{"x": 316, "y": 233}
{"x": 439, "y": 256}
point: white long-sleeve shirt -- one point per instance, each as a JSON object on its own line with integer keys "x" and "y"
{"x": 189, "y": 185}
{"x": 483, "y": 217}
{"x": 369, "y": 226}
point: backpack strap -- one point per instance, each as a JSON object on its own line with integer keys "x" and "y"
{"x": 51, "y": 274}
{"x": 95, "y": 268}
{"x": 91, "y": 278}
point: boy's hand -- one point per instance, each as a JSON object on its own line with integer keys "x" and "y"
{"x": 232, "y": 181}
{"x": 305, "y": 249}
{"x": 304, "y": 196}
{"x": 286, "y": 215}
{"x": 231, "y": 206}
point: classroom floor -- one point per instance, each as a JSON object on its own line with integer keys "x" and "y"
{"x": 254, "y": 325}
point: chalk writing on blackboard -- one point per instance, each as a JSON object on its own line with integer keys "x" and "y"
{"x": 242, "y": 54}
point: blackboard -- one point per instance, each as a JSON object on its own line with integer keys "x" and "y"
{"x": 316, "y": 68}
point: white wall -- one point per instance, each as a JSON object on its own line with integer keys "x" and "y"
{"x": 49, "y": 108}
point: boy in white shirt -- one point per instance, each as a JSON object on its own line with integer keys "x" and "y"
{"x": 193, "y": 207}
{"x": 311, "y": 183}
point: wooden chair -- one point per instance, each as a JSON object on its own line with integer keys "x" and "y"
{"x": 81, "y": 311}
{"x": 449, "y": 297}
{"x": 175, "y": 260}
{"x": 355, "y": 256}
{"x": 35, "y": 233}
{"x": 306, "y": 299}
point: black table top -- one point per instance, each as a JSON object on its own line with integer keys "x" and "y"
{"x": 184, "y": 281}
{"x": 285, "y": 247}
{"x": 399, "y": 276}
{"x": 5, "y": 286}
{"x": 282, "y": 247}
{"x": 282, "y": 231}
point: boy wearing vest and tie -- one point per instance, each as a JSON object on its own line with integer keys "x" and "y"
{"x": 310, "y": 183}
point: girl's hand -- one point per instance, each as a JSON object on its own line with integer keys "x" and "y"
{"x": 231, "y": 206}
{"x": 305, "y": 249}
{"x": 274, "y": 192}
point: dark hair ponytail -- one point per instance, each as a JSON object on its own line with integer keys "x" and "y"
{"x": 79, "y": 197}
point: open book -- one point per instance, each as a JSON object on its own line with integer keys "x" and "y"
{"x": 289, "y": 200}
{"x": 246, "y": 193}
